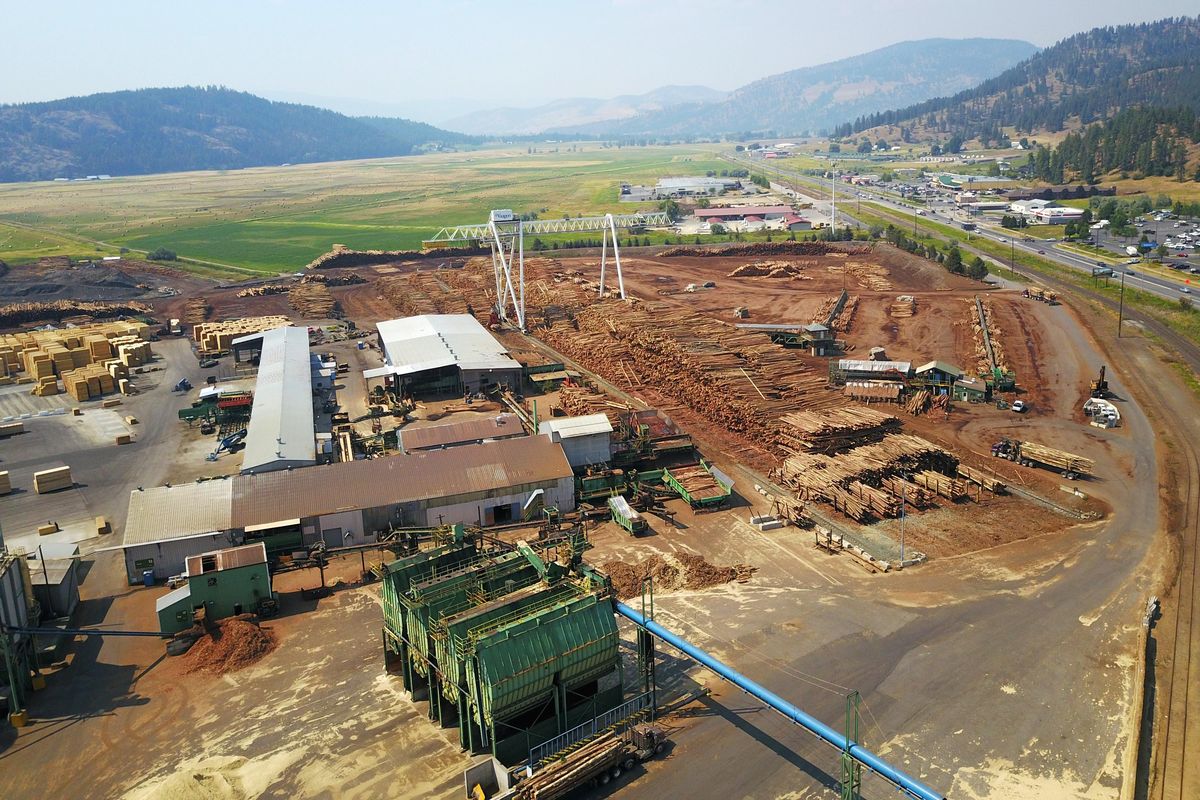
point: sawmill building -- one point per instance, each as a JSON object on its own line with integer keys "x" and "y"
{"x": 440, "y": 353}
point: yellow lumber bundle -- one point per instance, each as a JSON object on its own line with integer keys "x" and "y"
{"x": 47, "y": 529}
{"x": 11, "y": 428}
{"x": 45, "y": 353}
{"x": 5, "y": 483}
{"x": 89, "y": 382}
{"x": 216, "y": 337}
{"x": 51, "y": 480}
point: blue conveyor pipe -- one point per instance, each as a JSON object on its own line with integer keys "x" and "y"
{"x": 865, "y": 757}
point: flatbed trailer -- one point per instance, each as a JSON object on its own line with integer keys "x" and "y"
{"x": 701, "y": 485}
{"x": 1032, "y": 454}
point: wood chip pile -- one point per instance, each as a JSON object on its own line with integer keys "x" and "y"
{"x": 670, "y": 572}
{"x": 834, "y": 429}
{"x": 233, "y": 643}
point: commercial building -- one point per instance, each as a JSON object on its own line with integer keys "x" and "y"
{"x": 220, "y": 583}
{"x": 434, "y": 353}
{"x": 281, "y": 433}
{"x": 739, "y": 213}
{"x": 1055, "y": 215}
{"x": 586, "y": 440}
{"x": 455, "y": 434}
{"x": 346, "y": 503}
{"x": 937, "y": 376}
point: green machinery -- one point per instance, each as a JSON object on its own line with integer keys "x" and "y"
{"x": 514, "y": 645}
{"x": 701, "y": 485}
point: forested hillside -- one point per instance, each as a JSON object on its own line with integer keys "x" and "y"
{"x": 1086, "y": 78}
{"x": 169, "y": 130}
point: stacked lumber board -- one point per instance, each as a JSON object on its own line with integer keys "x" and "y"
{"x": 982, "y": 479}
{"x": 834, "y": 429}
{"x": 52, "y": 480}
{"x": 5, "y": 483}
{"x": 46, "y": 353}
{"x": 1059, "y": 459}
{"x": 11, "y": 428}
{"x": 216, "y": 337}
{"x": 944, "y": 485}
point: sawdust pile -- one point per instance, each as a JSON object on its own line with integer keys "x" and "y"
{"x": 670, "y": 572}
{"x": 234, "y": 643}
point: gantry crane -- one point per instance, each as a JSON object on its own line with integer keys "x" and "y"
{"x": 504, "y": 233}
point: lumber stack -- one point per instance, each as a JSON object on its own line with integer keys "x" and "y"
{"x": 835, "y": 429}
{"x": 52, "y": 480}
{"x": 11, "y": 428}
{"x": 216, "y": 337}
{"x": 89, "y": 382}
{"x": 5, "y": 483}
{"x": 982, "y": 479}
{"x": 48, "y": 353}
{"x": 911, "y": 493}
{"x": 943, "y": 485}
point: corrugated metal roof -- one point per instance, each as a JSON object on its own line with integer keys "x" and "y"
{"x": 499, "y": 426}
{"x": 856, "y": 365}
{"x": 424, "y": 475}
{"x": 281, "y": 420}
{"x": 570, "y": 427}
{"x": 171, "y": 598}
{"x": 431, "y": 341}
{"x": 741, "y": 211}
{"x": 940, "y": 366}
{"x": 178, "y": 512}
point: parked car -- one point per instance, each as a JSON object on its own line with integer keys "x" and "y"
{"x": 208, "y": 363}
{"x": 1019, "y": 406}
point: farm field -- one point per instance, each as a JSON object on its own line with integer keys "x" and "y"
{"x": 277, "y": 219}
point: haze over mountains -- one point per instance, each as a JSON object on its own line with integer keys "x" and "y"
{"x": 813, "y": 99}
{"x": 575, "y": 112}
{"x": 1085, "y": 78}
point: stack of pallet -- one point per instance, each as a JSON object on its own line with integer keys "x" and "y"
{"x": 911, "y": 493}
{"x": 904, "y": 306}
{"x": 52, "y": 480}
{"x": 217, "y": 337}
{"x": 834, "y": 429}
{"x": 944, "y": 485}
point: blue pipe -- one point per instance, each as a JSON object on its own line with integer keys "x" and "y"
{"x": 865, "y": 757}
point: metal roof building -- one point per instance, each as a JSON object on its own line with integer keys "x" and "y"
{"x": 586, "y": 440}
{"x": 442, "y": 351}
{"x": 280, "y": 433}
{"x": 501, "y": 426}
{"x": 166, "y": 524}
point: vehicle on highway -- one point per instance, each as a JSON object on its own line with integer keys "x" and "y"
{"x": 1130, "y": 272}
{"x": 1041, "y": 252}
{"x": 1185, "y": 290}
{"x": 1019, "y": 406}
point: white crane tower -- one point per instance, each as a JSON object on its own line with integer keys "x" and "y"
{"x": 504, "y": 233}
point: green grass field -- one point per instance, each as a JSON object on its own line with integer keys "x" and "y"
{"x": 278, "y": 219}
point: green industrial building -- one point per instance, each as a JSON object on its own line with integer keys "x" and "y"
{"x": 222, "y": 583}
{"x": 512, "y": 645}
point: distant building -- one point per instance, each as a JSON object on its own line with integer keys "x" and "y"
{"x": 795, "y": 223}
{"x": 1057, "y": 215}
{"x": 740, "y": 213}
{"x": 694, "y": 187}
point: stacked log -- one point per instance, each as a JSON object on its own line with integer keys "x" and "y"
{"x": 312, "y": 301}
{"x": 918, "y": 403}
{"x": 912, "y": 494}
{"x": 559, "y": 777}
{"x": 21, "y": 313}
{"x": 835, "y": 429}
{"x": 944, "y": 485}
{"x": 785, "y": 248}
{"x": 697, "y": 481}
{"x": 1059, "y": 459}
{"x": 814, "y": 475}
{"x": 903, "y": 306}
{"x": 265, "y": 289}
{"x": 982, "y": 479}
{"x": 779, "y": 270}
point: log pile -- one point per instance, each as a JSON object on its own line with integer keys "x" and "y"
{"x": 834, "y": 429}
{"x": 312, "y": 301}
{"x": 342, "y": 256}
{"x": 349, "y": 279}
{"x": 779, "y": 270}
{"x": 263, "y": 290}
{"x": 561, "y": 776}
{"x": 903, "y": 306}
{"x": 580, "y": 401}
{"x": 977, "y": 325}
{"x": 1059, "y": 459}
{"x": 786, "y": 248}
{"x": 21, "y": 313}
{"x": 845, "y": 318}
{"x": 196, "y": 310}
{"x": 862, "y": 503}
{"x": 945, "y": 486}
{"x": 919, "y": 402}
{"x": 912, "y": 493}
{"x": 869, "y": 276}
{"x": 697, "y": 481}
{"x": 984, "y": 480}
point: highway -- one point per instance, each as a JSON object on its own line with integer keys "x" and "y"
{"x": 819, "y": 193}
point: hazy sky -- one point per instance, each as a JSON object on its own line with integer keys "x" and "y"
{"x": 432, "y": 60}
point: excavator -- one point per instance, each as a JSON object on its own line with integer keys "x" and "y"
{"x": 1100, "y": 386}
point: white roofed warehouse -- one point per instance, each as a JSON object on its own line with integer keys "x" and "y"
{"x": 440, "y": 353}
{"x": 281, "y": 434}
{"x": 586, "y": 440}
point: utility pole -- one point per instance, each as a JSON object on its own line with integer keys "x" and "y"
{"x": 851, "y": 769}
{"x": 903, "y": 498}
{"x": 833, "y": 203}
{"x": 1121, "y": 307}
{"x": 1012, "y": 256}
